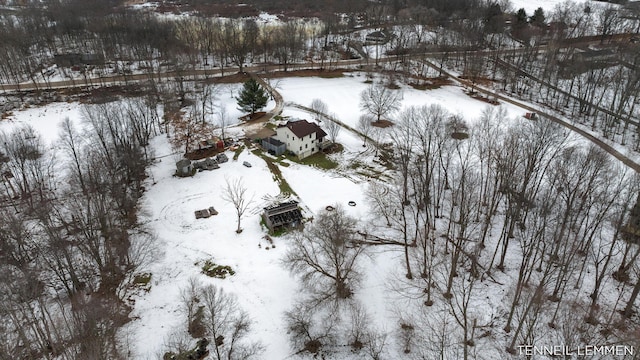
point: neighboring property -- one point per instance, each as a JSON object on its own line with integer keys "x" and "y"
{"x": 283, "y": 215}
{"x": 595, "y": 55}
{"x": 274, "y": 146}
{"x": 377, "y": 37}
{"x": 301, "y": 137}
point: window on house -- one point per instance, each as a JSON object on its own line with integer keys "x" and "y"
{"x": 300, "y": 148}
{"x": 306, "y": 146}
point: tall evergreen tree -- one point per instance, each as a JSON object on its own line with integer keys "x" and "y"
{"x": 538, "y": 18}
{"x": 252, "y": 97}
{"x": 521, "y": 17}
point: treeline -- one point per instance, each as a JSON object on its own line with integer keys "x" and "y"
{"x": 508, "y": 232}
{"x": 70, "y": 239}
{"x": 129, "y": 40}
{"x": 96, "y": 33}
{"x": 580, "y": 61}
{"x": 520, "y": 200}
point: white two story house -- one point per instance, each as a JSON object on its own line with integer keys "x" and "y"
{"x": 301, "y": 137}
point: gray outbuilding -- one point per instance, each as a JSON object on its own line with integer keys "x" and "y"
{"x": 274, "y": 146}
{"x": 184, "y": 168}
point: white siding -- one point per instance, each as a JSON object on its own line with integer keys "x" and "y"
{"x": 301, "y": 147}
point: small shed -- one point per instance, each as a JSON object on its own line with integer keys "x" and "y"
{"x": 184, "y": 167}
{"x": 282, "y": 215}
{"x": 274, "y": 146}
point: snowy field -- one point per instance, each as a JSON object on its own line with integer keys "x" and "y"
{"x": 342, "y": 96}
{"x": 264, "y": 287}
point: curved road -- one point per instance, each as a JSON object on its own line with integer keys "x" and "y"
{"x": 604, "y": 146}
{"x": 205, "y": 73}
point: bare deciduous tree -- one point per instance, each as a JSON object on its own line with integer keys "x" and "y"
{"x": 216, "y": 315}
{"x": 319, "y": 108}
{"x": 333, "y": 127}
{"x": 365, "y": 127}
{"x": 187, "y": 129}
{"x": 228, "y": 325}
{"x": 307, "y": 331}
{"x": 235, "y": 193}
{"x": 326, "y": 257}
{"x": 223, "y": 120}
{"x": 378, "y": 100}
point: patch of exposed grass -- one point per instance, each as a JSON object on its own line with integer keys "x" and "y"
{"x": 319, "y": 160}
{"x": 238, "y": 151}
{"x": 331, "y": 74}
{"x": 142, "y": 279}
{"x": 284, "y": 186}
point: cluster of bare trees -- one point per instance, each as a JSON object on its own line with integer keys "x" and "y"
{"x": 101, "y": 39}
{"x": 118, "y": 43}
{"x": 327, "y": 258}
{"x": 215, "y": 315}
{"x": 511, "y": 199}
{"x": 69, "y": 233}
{"x": 597, "y": 88}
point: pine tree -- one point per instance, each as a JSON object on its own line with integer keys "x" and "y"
{"x": 521, "y": 17}
{"x": 538, "y": 18}
{"x": 252, "y": 97}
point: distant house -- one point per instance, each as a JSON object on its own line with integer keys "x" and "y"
{"x": 283, "y": 215}
{"x": 301, "y": 137}
{"x": 595, "y": 55}
{"x": 376, "y": 37}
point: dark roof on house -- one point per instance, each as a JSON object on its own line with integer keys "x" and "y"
{"x": 302, "y": 128}
{"x": 377, "y": 35}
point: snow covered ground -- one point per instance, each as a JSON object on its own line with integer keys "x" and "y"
{"x": 531, "y": 6}
{"x": 264, "y": 288}
{"x": 342, "y": 96}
